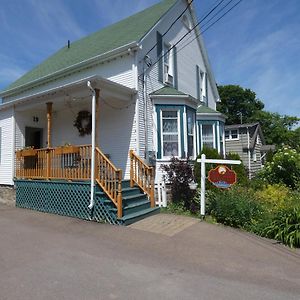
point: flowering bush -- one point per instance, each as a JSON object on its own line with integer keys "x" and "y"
{"x": 274, "y": 197}
{"x": 284, "y": 168}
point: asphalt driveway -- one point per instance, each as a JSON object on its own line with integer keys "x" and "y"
{"x": 45, "y": 256}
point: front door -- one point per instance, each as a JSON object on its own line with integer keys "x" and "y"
{"x": 34, "y": 137}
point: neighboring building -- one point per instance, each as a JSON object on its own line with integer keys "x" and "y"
{"x": 248, "y": 141}
{"x": 154, "y": 96}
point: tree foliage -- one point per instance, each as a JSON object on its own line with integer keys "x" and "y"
{"x": 240, "y": 104}
{"x": 237, "y": 101}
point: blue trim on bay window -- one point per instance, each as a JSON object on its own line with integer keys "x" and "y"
{"x": 158, "y": 108}
{"x": 190, "y": 109}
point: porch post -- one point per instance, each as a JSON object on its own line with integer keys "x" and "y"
{"x": 97, "y": 91}
{"x": 49, "y": 123}
{"x": 49, "y": 129}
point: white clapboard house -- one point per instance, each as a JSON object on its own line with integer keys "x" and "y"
{"x": 154, "y": 99}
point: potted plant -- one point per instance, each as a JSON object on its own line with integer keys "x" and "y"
{"x": 26, "y": 152}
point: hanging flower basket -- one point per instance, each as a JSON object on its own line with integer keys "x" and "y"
{"x": 26, "y": 153}
{"x": 66, "y": 150}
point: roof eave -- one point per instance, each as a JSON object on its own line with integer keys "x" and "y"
{"x": 76, "y": 67}
{"x": 94, "y": 79}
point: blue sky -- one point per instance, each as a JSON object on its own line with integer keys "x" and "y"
{"x": 257, "y": 45}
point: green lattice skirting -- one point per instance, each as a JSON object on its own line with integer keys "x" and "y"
{"x": 63, "y": 198}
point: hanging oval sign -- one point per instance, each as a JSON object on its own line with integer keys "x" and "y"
{"x": 222, "y": 177}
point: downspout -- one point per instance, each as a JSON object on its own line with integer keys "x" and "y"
{"x": 249, "y": 157}
{"x": 145, "y": 110}
{"x": 93, "y": 144}
{"x": 13, "y": 141}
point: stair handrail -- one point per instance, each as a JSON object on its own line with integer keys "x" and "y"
{"x": 109, "y": 179}
{"x": 142, "y": 175}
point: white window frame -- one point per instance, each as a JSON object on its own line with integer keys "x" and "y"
{"x": 162, "y": 133}
{"x": 254, "y": 155}
{"x": 230, "y": 135}
{"x": 168, "y": 64}
{"x": 191, "y": 134}
{"x": 214, "y": 135}
{"x": 202, "y": 87}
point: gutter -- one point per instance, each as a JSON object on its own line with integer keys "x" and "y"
{"x": 76, "y": 67}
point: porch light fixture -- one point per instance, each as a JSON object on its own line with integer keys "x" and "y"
{"x": 93, "y": 144}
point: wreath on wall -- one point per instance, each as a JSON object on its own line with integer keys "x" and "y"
{"x": 83, "y": 122}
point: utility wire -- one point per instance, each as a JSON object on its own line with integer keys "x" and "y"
{"x": 190, "y": 3}
{"x": 206, "y": 29}
{"x": 189, "y": 31}
{"x": 212, "y": 24}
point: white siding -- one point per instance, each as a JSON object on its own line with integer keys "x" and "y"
{"x": 6, "y": 163}
{"x": 187, "y": 59}
{"x": 118, "y": 70}
{"x": 117, "y": 134}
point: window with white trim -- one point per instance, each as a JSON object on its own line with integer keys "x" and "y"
{"x": 232, "y": 134}
{"x": 254, "y": 156}
{"x": 208, "y": 135}
{"x": 203, "y": 86}
{"x": 191, "y": 132}
{"x": 168, "y": 64}
{"x": 170, "y": 133}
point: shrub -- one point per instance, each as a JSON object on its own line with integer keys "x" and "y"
{"x": 275, "y": 197}
{"x": 285, "y": 227}
{"x": 239, "y": 169}
{"x": 180, "y": 174}
{"x": 284, "y": 168}
{"x": 236, "y": 207}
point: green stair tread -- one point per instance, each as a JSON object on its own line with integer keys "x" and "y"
{"x": 130, "y": 189}
{"x": 132, "y": 197}
{"x": 139, "y": 213}
{"x": 132, "y": 205}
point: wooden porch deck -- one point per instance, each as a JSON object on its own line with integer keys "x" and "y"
{"x": 73, "y": 163}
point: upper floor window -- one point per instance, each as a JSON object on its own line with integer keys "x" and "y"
{"x": 168, "y": 64}
{"x": 170, "y": 133}
{"x": 232, "y": 134}
{"x": 201, "y": 78}
{"x": 186, "y": 22}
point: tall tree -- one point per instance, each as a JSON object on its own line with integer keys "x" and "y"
{"x": 277, "y": 129}
{"x": 238, "y": 104}
{"x": 241, "y": 106}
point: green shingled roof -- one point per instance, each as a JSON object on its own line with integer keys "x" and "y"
{"x": 119, "y": 34}
{"x": 168, "y": 90}
{"x": 206, "y": 110}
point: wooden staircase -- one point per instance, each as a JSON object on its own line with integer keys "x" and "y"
{"x": 135, "y": 205}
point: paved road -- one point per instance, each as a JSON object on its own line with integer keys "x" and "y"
{"x": 51, "y": 257}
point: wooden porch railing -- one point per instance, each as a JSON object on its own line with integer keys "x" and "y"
{"x": 142, "y": 175}
{"x": 110, "y": 179}
{"x": 69, "y": 162}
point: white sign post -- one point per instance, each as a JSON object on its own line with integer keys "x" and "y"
{"x": 204, "y": 161}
